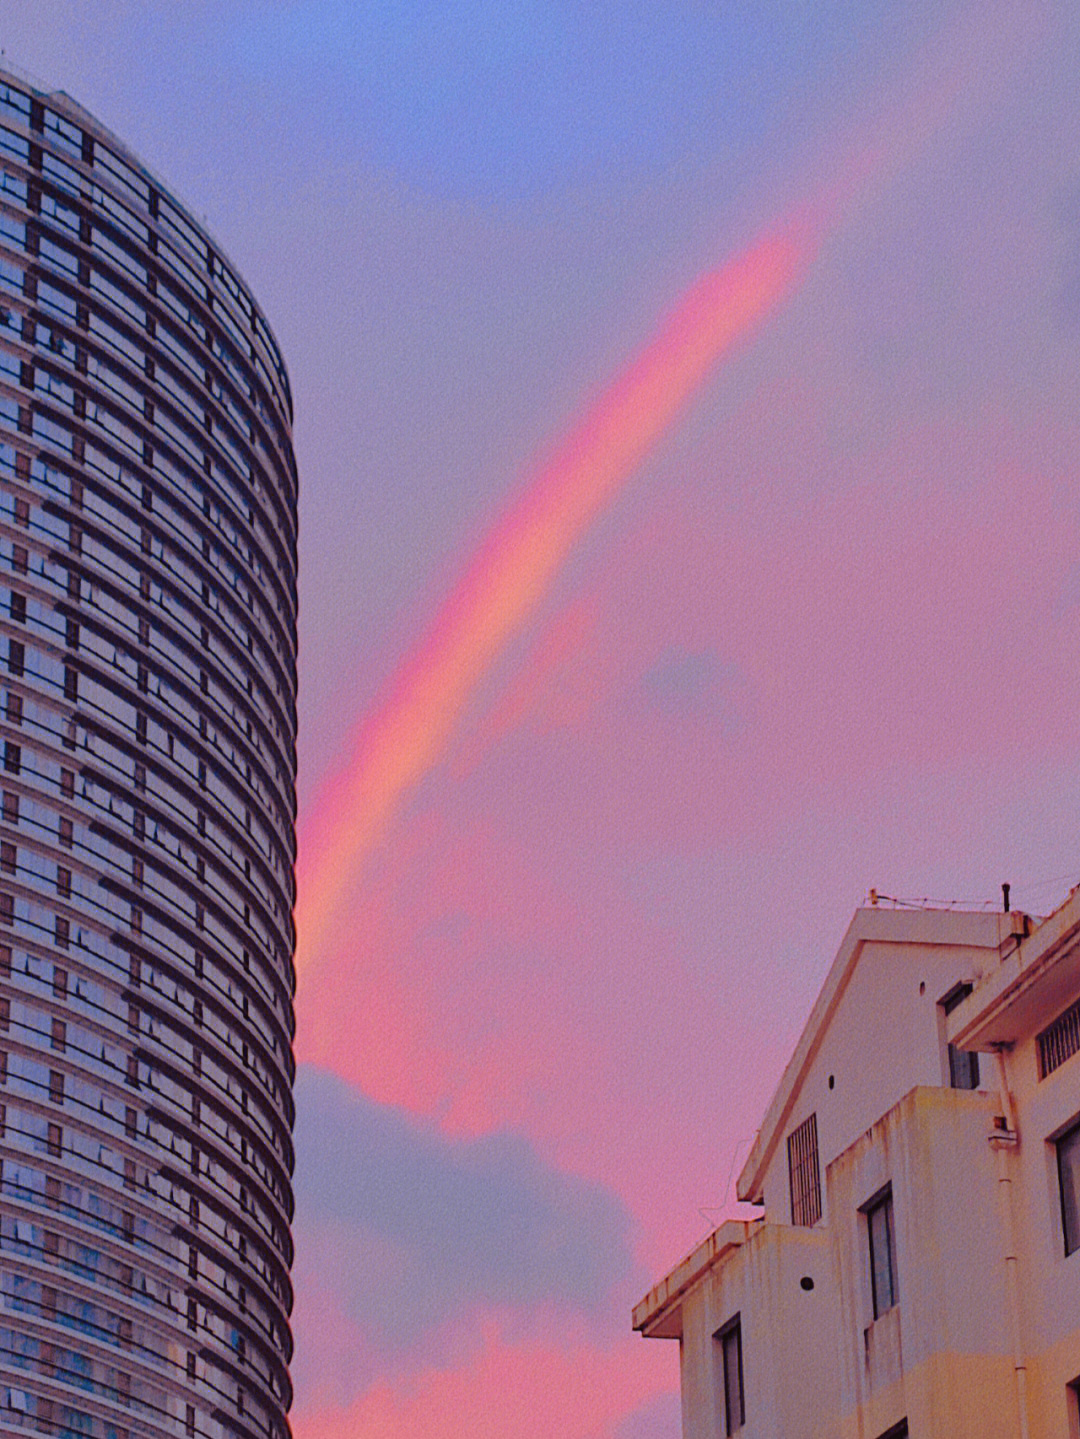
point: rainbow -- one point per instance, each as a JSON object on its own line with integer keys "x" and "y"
{"x": 406, "y": 733}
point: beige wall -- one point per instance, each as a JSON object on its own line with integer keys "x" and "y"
{"x": 886, "y": 1036}
{"x": 788, "y": 1385}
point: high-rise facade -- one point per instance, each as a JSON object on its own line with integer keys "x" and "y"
{"x": 147, "y": 705}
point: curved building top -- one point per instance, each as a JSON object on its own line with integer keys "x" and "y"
{"x": 135, "y": 179}
{"x": 147, "y": 805}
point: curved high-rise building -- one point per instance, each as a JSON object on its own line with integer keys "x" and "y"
{"x": 147, "y": 705}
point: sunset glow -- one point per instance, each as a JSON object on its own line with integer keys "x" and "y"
{"x": 513, "y": 568}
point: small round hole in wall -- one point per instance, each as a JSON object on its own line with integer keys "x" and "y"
{"x": 832, "y": 1081}
{"x": 806, "y": 1283}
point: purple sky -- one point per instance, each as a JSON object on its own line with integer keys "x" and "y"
{"x": 826, "y": 639}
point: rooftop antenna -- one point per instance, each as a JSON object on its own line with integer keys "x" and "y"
{"x": 1005, "y": 897}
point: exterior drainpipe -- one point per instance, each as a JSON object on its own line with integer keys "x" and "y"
{"x": 1005, "y": 1143}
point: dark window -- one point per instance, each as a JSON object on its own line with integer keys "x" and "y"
{"x": 963, "y": 1067}
{"x": 898, "y": 1431}
{"x": 8, "y": 857}
{"x": 732, "y": 1405}
{"x": 804, "y": 1174}
{"x": 16, "y": 656}
{"x": 1068, "y": 1163}
{"x": 1059, "y": 1041}
{"x": 18, "y": 607}
{"x": 879, "y": 1226}
{"x": 12, "y": 756}
{"x": 11, "y": 807}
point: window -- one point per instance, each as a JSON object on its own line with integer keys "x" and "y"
{"x": 879, "y": 1226}
{"x": 963, "y": 1067}
{"x": 898, "y": 1431}
{"x": 804, "y": 1174}
{"x": 1068, "y": 1165}
{"x": 732, "y": 1402}
{"x": 1059, "y": 1041}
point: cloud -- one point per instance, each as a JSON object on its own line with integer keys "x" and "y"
{"x": 404, "y": 1235}
{"x": 550, "y": 1385}
{"x": 696, "y": 684}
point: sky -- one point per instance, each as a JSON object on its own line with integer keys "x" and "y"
{"x": 687, "y": 416}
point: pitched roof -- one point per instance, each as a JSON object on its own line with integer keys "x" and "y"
{"x": 877, "y": 925}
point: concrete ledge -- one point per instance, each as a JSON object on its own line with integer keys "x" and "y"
{"x": 659, "y": 1314}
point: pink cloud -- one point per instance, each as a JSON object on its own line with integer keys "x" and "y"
{"x": 531, "y": 1389}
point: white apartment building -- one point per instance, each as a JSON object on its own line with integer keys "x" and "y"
{"x": 915, "y": 1269}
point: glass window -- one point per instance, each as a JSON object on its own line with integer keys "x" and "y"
{"x": 1068, "y": 1162}
{"x": 732, "y": 1405}
{"x": 963, "y": 1067}
{"x": 879, "y": 1224}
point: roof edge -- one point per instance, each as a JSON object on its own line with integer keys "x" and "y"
{"x": 968, "y": 929}
{"x": 658, "y": 1314}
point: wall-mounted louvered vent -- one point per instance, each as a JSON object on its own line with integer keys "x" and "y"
{"x": 804, "y": 1173}
{"x": 1060, "y": 1040}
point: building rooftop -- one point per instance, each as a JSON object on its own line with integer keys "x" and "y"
{"x": 963, "y": 929}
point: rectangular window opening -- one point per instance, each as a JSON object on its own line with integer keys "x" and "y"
{"x": 880, "y": 1235}
{"x": 731, "y": 1395}
{"x": 1068, "y": 1167}
{"x": 963, "y": 1067}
